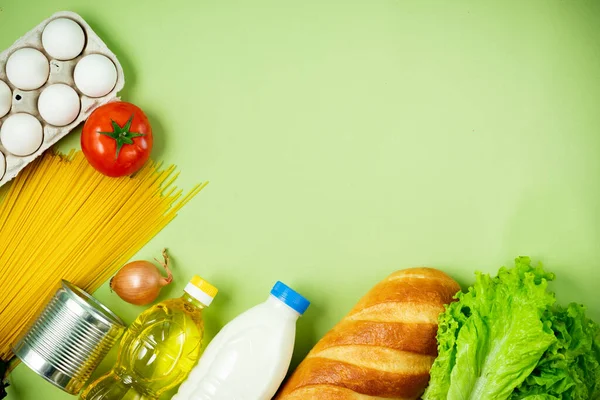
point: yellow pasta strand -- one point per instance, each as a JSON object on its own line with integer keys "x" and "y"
{"x": 60, "y": 219}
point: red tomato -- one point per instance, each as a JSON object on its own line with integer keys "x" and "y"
{"x": 117, "y": 139}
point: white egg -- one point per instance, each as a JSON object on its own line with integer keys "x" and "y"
{"x": 59, "y": 104}
{"x": 5, "y": 99}
{"x": 21, "y": 134}
{"x": 95, "y": 75}
{"x": 27, "y": 69}
{"x": 63, "y": 39}
{"x": 2, "y": 165}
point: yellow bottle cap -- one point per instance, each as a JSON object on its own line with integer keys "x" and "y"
{"x": 201, "y": 290}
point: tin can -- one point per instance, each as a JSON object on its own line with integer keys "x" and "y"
{"x": 69, "y": 338}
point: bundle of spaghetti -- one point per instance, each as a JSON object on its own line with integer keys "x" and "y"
{"x": 61, "y": 219}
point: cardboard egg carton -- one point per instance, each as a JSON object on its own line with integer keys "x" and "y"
{"x": 60, "y": 72}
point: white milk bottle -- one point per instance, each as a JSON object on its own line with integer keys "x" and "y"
{"x": 250, "y": 356}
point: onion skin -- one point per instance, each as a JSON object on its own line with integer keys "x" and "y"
{"x": 139, "y": 282}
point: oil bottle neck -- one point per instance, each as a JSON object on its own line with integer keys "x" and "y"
{"x": 192, "y": 301}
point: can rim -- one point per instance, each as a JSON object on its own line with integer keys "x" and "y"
{"x": 91, "y": 304}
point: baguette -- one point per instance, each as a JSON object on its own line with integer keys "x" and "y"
{"x": 384, "y": 348}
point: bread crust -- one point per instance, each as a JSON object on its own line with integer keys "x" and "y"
{"x": 383, "y": 348}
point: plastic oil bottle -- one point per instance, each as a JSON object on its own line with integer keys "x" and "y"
{"x": 249, "y": 357}
{"x": 159, "y": 349}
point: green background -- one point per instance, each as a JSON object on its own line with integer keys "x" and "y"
{"x": 347, "y": 139}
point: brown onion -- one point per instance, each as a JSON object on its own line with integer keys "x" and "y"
{"x": 139, "y": 282}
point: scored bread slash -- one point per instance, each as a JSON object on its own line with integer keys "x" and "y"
{"x": 40, "y": 60}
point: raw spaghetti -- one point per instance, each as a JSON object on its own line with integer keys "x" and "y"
{"x": 60, "y": 219}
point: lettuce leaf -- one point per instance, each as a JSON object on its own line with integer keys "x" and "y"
{"x": 507, "y": 339}
{"x": 570, "y": 368}
{"x": 492, "y": 338}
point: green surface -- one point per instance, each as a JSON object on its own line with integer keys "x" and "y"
{"x": 346, "y": 139}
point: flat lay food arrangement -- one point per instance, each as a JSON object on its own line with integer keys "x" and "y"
{"x": 402, "y": 203}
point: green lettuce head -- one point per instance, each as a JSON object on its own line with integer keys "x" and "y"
{"x": 506, "y": 339}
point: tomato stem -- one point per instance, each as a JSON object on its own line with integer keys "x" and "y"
{"x": 121, "y": 134}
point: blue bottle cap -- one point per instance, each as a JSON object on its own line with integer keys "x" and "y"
{"x": 290, "y": 297}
